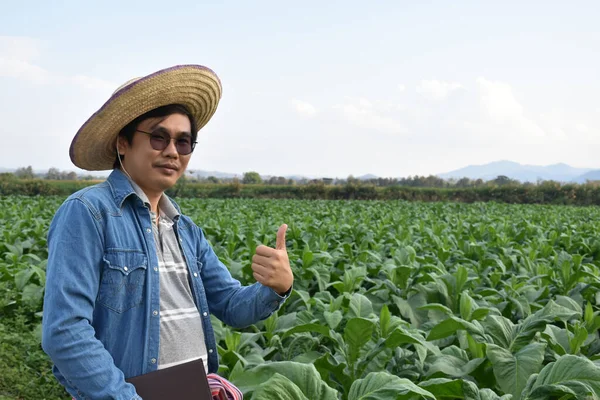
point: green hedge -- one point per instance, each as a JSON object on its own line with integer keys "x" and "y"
{"x": 545, "y": 193}
{"x": 41, "y": 187}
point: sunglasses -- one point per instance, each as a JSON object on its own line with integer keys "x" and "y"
{"x": 159, "y": 140}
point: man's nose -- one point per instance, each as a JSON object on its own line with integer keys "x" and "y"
{"x": 171, "y": 149}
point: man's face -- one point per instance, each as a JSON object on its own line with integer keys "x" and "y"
{"x": 156, "y": 170}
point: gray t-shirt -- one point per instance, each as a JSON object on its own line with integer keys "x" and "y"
{"x": 181, "y": 332}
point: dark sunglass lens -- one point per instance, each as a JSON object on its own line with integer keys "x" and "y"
{"x": 184, "y": 146}
{"x": 158, "y": 141}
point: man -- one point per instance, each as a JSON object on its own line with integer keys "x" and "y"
{"x": 131, "y": 282}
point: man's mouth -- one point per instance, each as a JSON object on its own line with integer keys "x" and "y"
{"x": 169, "y": 166}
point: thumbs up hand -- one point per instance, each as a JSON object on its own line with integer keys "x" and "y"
{"x": 271, "y": 267}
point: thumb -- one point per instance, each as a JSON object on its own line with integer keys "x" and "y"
{"x": 280, "y": 244}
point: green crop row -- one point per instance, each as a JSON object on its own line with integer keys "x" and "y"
{"x": 391, "y": 300}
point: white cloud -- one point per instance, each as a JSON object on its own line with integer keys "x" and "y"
{"x": 499, "y": 100}
{"x": 502, "y": 107}
{"x": 303, "y": 108}
{"x": 401, "y": 87}
{"x": 17, "y": 60}
{"x": 364, "y": 103}
{"x": 21, "y": 69}
{"x": 371, "y": 115}
{"x": 92, "y": 83}
{"x": 554, "y": 124}
{"x": 582, "y": 127}
{"x": 16, "y": 56}
{"x": 19, "y": 47}
{"x": 568, "y": 126}
{"x": 437, "y": 90}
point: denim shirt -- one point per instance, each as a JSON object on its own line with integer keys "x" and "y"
{"x": 102, "y": 307}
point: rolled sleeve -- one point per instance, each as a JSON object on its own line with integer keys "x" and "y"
{"x": 236, "y": 305}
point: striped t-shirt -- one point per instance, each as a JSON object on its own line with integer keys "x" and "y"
{"x": 181, "y": 332}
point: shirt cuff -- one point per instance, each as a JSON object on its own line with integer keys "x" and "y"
{"x": 286, "y": 294}
{"x": 273, "y": 299}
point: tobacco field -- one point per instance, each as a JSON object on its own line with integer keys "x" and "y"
{"x": 391, "y": 300}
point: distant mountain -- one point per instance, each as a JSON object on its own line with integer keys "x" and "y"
{"x": 367, "y": 177}
{"x": 229, "y": 175}
{"x": 294, "y": 177}
{"x": 524, "y": 173}
{"x": 216, "y": 174}
{"x": 590, "y": 176}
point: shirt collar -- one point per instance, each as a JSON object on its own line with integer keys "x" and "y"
{"x": 164, "y": 204}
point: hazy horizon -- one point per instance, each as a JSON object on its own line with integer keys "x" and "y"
{"x": 483, "y": 171}
{"x": 391, "y": 89}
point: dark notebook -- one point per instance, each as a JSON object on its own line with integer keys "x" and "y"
{"x": 182, "y": 382}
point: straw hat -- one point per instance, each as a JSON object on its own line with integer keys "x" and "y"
{"x": 193, "y": 86}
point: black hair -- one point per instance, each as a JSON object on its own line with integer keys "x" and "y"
{"x": 129, "y": 130}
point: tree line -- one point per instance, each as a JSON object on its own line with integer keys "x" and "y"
{"x": 254, "y": 178}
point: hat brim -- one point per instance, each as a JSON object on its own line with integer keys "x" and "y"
{"x": 194, "y": 86}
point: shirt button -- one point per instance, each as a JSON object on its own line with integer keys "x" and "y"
{"x": 196, "y": 274}
{"x": 148, "y": 230}
{"x": 153, "y": 361}
{"x": 124, "y": 268}
{"x": 155, "y": 313}
{"x": 155, "y": 269}
{"x": 205, "y": 313}
{"x": 210, "y": 351}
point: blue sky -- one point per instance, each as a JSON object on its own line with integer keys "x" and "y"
{"x": 334, "y": 88}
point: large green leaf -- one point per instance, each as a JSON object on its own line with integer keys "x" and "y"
{"x": 437, "y": 307}
{"x": 333, "y": 318}
{"x": 22, "y": 277}
{"x": 307, "y": 358}
{"x": 488, "y": 394}
{"x": 304, "y": 376}
{"x": 278, "y": 387}
{"x": 569, "y": 303}
{"x": 353, "y": 277}
{"x": 554, "y": 311}
{"x": 400, "y": 336}
{"x": 453, "y": 362}
{"x": 568, "y": 375}
{"x": 513, "y": 370}
{"x": 322, "y": 275}
{"x": 557, "y": 338}
{"x": 315, "y": 328}
{"x": 360, "y": 306}
{"x": 500, "y": 329}
{"x": 285, "y": 322}
{"x": 357, "y": 333}
{"x": 384, "y": 321}
{"x": 525, "y": 331}
{"x": 467, "y": 306}
{"x": 328, "y": 367}
{"x": 385, "y": 386}
{"x": 33, "y": 293}
{"x": 449, "y": 327}
{"x": 410, "y": 308}
{"x": 443, "y": 388}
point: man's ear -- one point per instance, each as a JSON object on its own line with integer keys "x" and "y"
{"x": 121, "y": 145}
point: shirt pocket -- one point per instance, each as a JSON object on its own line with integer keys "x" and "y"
{"x": 123, "y": 278}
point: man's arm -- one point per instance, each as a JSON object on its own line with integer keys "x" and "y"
{"x": 236, "y": 305}
{"x": 75, "y": 248}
